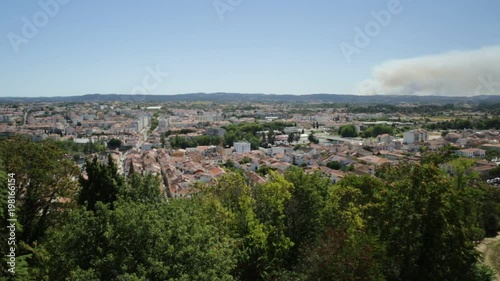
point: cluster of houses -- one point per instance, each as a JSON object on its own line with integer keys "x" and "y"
{"x": 181, "y": 169}
{"x": 143, "y": 150}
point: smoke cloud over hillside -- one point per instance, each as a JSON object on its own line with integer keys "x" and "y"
{"x": 457, "y": 73}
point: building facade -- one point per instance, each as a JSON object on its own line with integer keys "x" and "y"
{"x": 415, "y": 136}
{"x": 241, "y": 147}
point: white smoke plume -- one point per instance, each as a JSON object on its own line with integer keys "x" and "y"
{"x": 457, "y": 73}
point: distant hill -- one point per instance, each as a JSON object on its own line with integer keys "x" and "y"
{"x": 238, "y": 97}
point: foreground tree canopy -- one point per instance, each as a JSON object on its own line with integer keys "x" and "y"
{"x": 411, "y": 222}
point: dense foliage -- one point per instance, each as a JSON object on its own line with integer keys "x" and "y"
{"x": 81, "y": 148}
{"x": 250, "y": 133}
{"x": 114, "y": 143}
{"x": 348, "y": 131}
{"x": 374, "y": 131}
{"x": 459, "y": 124}
{"x": 185, "y": 142}
{"x": 391, "y": 109}
{"x": 411, "y": 222}
{"x": 178, "y": 132}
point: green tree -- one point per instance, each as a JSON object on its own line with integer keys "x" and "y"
{"x": 348, "y": 131}
{"x": 303, "y": 210}
{"x": 312, "y": 139}
{"x": 137, "y": 241}
{"x": 102, "y": 183}
{"x": 245, "y": 160}
{"x": 430, "y": 225}
{"x": 441, "y": 156}
{"x": 377, "y": 130}
{"x": 237, "y": 202}
{"x": 43, "y": 173}
{"x": 114, "y": 143}
{"x": 462, "y": 171}
{"x": 490, "y": 209}
{"x": 346, "y": 250}
{"x": 342, "y": 256}
{"x": 162, "y": 140}
{"x": 333, "y": 165}
{"x": 271, "y": 201}
{"x": 142, "y": 188}
{"x": 271, "y": 137}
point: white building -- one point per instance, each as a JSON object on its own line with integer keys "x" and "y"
{"x": 241, "y": 147}
{"x": 415, "y": 136}
{"x": 5, "y": 118}
{"x": 471, "y": 153}
{"x": 153, "y": 108}
{"x": 163, "y": 124}
{"x": 291, "y": 130}
{"x": 140, "y": 123}
{"x": 145, "y": 121}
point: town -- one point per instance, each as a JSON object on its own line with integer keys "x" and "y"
{"x": 198, "y": 142}
{"x": 250, "y": 140}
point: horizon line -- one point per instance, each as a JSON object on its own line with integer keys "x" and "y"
{"x": 243, "y": 93}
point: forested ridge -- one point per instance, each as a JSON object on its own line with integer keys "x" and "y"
{"x": 409, "y": 222}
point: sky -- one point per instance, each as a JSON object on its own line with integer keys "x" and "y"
{"x": 422, "y": 47}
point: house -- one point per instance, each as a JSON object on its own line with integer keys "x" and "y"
{"x": 436, "y": 144}
{"x": 281, "y": 138}
{"x": 361, "y": 169}
{"x": 415, "y": 136}
{"x": 452, "y": 137}
{"x": 307, "y": 150}
{"x": 471, "y": 153}
{"x": 372, "y": 159}
{"x": 483, "y": 171}
{"x": 334, "y": 175}
{"x": 481, "y": 167}
{"x": 384, "y": 138}
{"x": 299, "y": 159}
{"x": 392, "y": 155}
{"x": 342, "y": 160}
{"x": 463, "y": 142}
{"x": 217, "y": 172}
{"x": 241, "y": 147}
{"x": 282, "y": 166}
{"x": 276, "y": 150}
{"x": 491, "y": 147}
{"x": 254, "y": 177}
{"x": 291, "y": 130}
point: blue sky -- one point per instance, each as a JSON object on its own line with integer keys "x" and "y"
{"x": 258, "y": 46}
